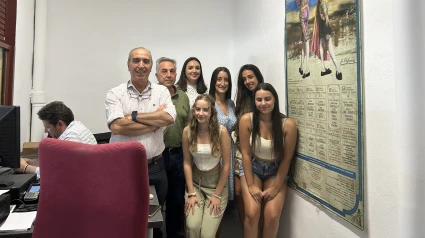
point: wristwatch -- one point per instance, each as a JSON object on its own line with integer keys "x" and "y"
{"x": 134, "y": 116}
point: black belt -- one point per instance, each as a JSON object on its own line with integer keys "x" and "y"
{"x": 174, "y": 150}
{"x": 154, "y": 159}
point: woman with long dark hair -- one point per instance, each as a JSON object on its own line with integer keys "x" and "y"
{"x": 220, "y": 90}
{"x": 248, "y": 78}
{"x": 191, "y": 79}
{"x": 267, "y": 141}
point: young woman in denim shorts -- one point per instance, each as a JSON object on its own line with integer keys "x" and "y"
{"x": 248, "y": 79}
{"x": 267, "y": 141}
{"x": 205, "y": 141}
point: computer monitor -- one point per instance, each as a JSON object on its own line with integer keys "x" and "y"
{"x": 10, "y": 136}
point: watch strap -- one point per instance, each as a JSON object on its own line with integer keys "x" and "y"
{"x": 134, "y": 116}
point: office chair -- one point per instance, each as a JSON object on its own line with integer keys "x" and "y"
{"x": 92, "y": 190}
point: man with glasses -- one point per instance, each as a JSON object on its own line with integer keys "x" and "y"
{"x": 173, "y": 154}
{"x": 139, "y": 110}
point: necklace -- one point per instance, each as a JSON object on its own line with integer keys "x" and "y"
{"x": 204, "y": 133}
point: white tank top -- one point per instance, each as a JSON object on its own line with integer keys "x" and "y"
{"x": 264, "y": 148}
{"x": 203, "y": 158}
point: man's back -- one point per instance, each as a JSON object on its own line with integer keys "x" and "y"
{"x": 76, "y": 131}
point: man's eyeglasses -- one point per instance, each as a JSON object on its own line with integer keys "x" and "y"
{"x": 143, "y": 95}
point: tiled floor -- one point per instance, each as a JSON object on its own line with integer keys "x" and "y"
{"x": 232, "y": 227}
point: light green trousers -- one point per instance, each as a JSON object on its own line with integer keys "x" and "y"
{"x": 203, "y": 224}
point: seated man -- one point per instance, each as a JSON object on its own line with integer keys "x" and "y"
{"x": 58, "y": 120}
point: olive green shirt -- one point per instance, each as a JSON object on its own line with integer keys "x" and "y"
{"x": 173, "y": 133}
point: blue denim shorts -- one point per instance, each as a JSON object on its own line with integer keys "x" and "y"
{"x": 264, "y": 170}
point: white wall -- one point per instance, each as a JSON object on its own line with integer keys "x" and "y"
{"x": 88, "y": 43}
{"x": 260, "y": 40}
{"x": 409, "y": 55}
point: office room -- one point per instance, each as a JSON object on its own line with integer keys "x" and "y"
{"x": 75, "y": 51}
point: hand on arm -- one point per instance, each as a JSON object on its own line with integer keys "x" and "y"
{"x": 165, "y": 113}
{"x": 127, "y": 127}
{"x": 158, "y": 118}
{"x": 215, "y": 200}
{"x": 187, "y": 167}
{"x": 147, "y": 122}
{"x": 290, "y": 139}
{"x": 118, "y": 122}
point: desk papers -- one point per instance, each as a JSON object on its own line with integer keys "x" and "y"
{"x": 18, "y": 221}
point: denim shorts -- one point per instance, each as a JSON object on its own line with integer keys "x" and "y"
{"x": 264, "y": 170}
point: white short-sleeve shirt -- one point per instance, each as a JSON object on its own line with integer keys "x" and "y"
{"x": 123, "y": 99}
{"x": 76, "y": 132}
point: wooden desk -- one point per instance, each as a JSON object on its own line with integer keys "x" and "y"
{"x": 153, "y": 222}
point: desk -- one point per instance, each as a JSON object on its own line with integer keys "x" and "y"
{"x": 17, "y": 234}
{"x": 153, "y": 222}
{"x": 157, "y": 220}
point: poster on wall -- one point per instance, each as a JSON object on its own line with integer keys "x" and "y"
{"x": 324, "y": 97}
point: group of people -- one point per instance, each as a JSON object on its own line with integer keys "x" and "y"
{"x": 322, "y": 44}
{"x": 202, "y": 149}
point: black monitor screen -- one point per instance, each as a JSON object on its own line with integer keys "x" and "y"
{"x": 10, "y": 138}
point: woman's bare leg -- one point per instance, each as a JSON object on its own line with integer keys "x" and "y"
{"x": 239, "y": 198}
{"x": 252, "y": 210}
{"x": 273, "y": 209}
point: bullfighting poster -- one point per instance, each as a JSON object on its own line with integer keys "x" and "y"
{"x": 325, "y": 98}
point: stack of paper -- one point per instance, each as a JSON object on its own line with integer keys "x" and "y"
{"x": 18, "y": 221}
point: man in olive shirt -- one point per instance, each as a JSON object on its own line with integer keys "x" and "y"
{"x": 173, "y": 154}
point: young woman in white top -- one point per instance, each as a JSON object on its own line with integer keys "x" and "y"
{"x": 205, "y": 141}
{"x": 191, "y": 79}
{"x": 267, "y": 141}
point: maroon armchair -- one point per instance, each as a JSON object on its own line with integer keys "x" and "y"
{"x": 92, "y": 190}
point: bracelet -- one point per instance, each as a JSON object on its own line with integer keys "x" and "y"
{"x": 214, "y": 195}
{"x": 25, "y": 169}
{"x": 191, "y": 195}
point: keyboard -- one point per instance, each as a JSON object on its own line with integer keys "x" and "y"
{"x": 6, "y": 171}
